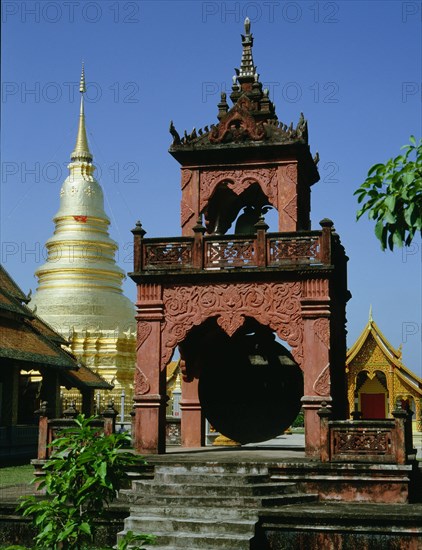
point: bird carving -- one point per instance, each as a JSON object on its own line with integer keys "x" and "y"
{"x": 174, "y": 133}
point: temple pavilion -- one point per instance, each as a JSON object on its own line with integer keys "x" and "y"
{"x": 377, "y": 379}
{"x": 35, "y": 362}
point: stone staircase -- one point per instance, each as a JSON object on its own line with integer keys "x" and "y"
{"x": 207, "y": 506}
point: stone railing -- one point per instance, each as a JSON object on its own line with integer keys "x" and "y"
{"x": 50, "y": 427}
{"x": 386, "y": 440}
{"x": 212, "y": 252}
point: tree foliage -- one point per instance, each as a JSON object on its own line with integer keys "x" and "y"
{"x": 82, "y": 476}
{"x": 392, "y": 196}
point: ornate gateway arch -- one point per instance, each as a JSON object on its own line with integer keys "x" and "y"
{"x": 292, "y": 283}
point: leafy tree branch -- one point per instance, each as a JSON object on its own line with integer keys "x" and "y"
{"x": 392, "y": 197}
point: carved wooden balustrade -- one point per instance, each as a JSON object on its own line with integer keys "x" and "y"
{"x": 386, "y": 440}
{"x": 212, "y": 252}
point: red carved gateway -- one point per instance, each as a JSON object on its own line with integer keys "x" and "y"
{"x": 258, "y": 317}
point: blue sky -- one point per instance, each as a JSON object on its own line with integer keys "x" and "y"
{"x": 353, "y": 68}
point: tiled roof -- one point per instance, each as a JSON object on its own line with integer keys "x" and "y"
{"x": 9, "y": 285}
{"x": 47, "y": 330}
{"x": 25, "y": 338}
{"x": 9, "y": 303}
{"x": 21, "y": 342}
{"x": 85, "y": 377}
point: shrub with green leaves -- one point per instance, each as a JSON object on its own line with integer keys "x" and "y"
{"x": 82, "y": 476}
{"x": 393, "y": 195}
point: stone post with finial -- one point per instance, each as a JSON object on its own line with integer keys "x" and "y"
{"x": 109, "y": 415}
{"x": 42, "y": 412}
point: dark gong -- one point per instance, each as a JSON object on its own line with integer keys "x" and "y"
{"x": 249, "y": 385}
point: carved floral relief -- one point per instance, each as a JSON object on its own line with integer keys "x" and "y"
{"x": 186, "y": 212}
{"x": 322, "y": 330}
{"x": 141, "y": 381}
{"x": 186, "y": 177}
{"x": 323, "y": 382}
{"x": 238, "y": 181}
{"x": 143, "y": 330}
{"x": 276, "y": 305}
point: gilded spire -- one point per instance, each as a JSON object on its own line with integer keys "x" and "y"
{"x": 370, "y": 314}
{"x": 81, "y": 151}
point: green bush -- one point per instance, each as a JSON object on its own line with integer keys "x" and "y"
{"x": 299, "y": 421}
{"x": 81, "y": 478}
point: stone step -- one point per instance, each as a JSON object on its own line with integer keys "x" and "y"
{"x": 285, "y": 500}
{"x": 217, "y": 512}
{"x": 209, "y": 479}
{"x": 144, "y": 473}
{"x": 211, "y": 506}
{"x": 208, "y": 468}
{"x": 149, "y": 488}
{"x": 192, "y": 541}
{"x": 215, "y": 502}
{"x": 208, "y": 527}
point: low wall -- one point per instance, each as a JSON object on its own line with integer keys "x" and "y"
{"x": 353, "y": 482}
{"x": 343, "y": 526}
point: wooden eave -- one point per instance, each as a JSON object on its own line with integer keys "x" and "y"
{"x": 85, "y": 378}
{"x": 258, "y": 151}
{"x": 19, "y": 356}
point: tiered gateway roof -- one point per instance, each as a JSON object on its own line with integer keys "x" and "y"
{"x": 250, "y": 121}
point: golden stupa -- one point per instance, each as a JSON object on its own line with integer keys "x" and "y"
{"x": 80, "y": 286}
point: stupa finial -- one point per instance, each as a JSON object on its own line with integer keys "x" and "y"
{"x": 82, "y": 87}
{"x": 81, "y": 151}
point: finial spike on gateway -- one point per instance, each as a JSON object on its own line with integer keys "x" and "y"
{"x": 247, "y": 25}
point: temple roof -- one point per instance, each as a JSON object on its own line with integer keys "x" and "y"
{"x": 392, "y": 355}
{"x": 85, "y": 377}
{"x": 26, "y": 338}
{"x": 171, "y": 369}
{"x": 251, "y": 121}
{"x": 8, "y": 284}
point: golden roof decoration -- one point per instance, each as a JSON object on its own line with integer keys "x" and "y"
{"x": 391, "y": 354}
{"x": 81, "y": 151}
